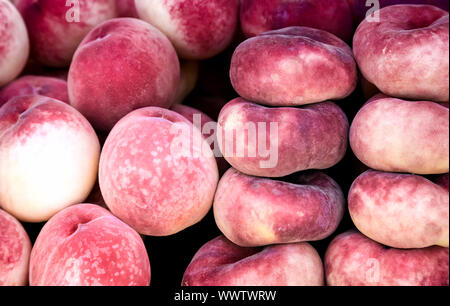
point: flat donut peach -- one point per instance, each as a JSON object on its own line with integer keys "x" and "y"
{"x": 354, "y": 260}
{"x": 406, "y": 53}
{"x": 275, "y": 142}
{"x": 400, "y": 210}
{"x": 396, "y": 135}
{"x": 293, "y": 66}
{"x": 222, "y": 263}
{"x": 334, "y": 16}
{"x": 252, "y": 211}
{"x": 35, "y": 85}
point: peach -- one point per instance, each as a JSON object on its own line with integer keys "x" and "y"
{"x": 56, "y": 27}
{"x": 85, "y": 245}
{"x": 361, "y": 8}
{"x": 293, "y": 66}
{"x": 396, "y": 135}
{"x": 222, "y": 263}
{"x": 157, "y": 172}
{"x": 14, "y": 43}
{"x": 35, "y": 85}
{"x": 275, "y": 142}
{"x": 443, "y": 181}
{"x": 252, "y": 211}
{"x": 126, "y": 8}
{"x": 189, "y": 71}
{"x": 48, "y": 157}
{"x": 400, "y": 210}
{"x": 122, "y": 65}
{"x": 406, "y": 53}
{"x": 334, "y": 16}
{"x": 354, "y": 260}
{"x": 198, "y": 29}
{"x": 15, "y": 248}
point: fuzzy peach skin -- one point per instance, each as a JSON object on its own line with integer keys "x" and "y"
{"x": 56, "y": 27}
{"x": 85, "y": 245}
{"x": 222, "y": 263}
{"x": 396, "y": 135}
{"x": 361, "y": 8}
{"x": 355, "y": 260}
{"x": 198, "y": 29}
{"x": 122, "y": 65}
{"x": 252, "y": 211}
{"x": 293, "y": 66}
{"x": 334, "y": 16}
{"x": 406, "y": 53}
{"x": 400, "y": 210}
{"x": 48, "y": 157}
{"x": 14, "y": 43}
{"x": 275, "y": 142}
{"x": 15, "y": 248}
{"x": 35, "y": 85}
{"x": 157, "y": 172}
{"x": 189, "y": 72}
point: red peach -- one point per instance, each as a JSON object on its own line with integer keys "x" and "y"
{"x": 334, "y": 16}
{"x": 396, "y": 135}
{"x": 122, "y": 65}
{"x": 14, "y": 43}
{"x": 56, "y": 27}
{"x": 252, "y": 211}
{"x": 222, "y": 263}
{"x": 198, "y": 29}
{"x": 275, "y": 142}
{"x": 354, "y": 260}
{"x": 35, "y": 85}
{"x": 400, "y": 210}
{"x": 157, "y": 172}
{"x": 85, "y": 245}
{"x": 15, "y": 248}
{"x": 406, "y": 53}
{"x": 293, "y": 66}
{"x": 48, "y": 157}
{"x": 361, "y": 8}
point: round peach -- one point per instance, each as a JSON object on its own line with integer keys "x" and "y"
{"x": 275, "y": 142}
{"x": 406, "y": 53}
{"x": 222, "y": 263}
{"x": 122, "y": 65}
{"x": 56, "y": 27}
{"x": 252, "y": 211}
{"x": 396, "y": 135}
{"x": 334, "y": 16}
{"x": 157, "y": 172}
{"x": 35, "y": 85}
{"x": 15, "y": 248}
{"x": 354, "y": 260}
{"x": 85, "y": 245}
{"x": 126, "y": 8}
{"x": 293, "y": 66}
{"x": 198, "y": 29}
{"x": 400, "y": 210}
{"x": 48, "y": 157}
{"x": 14, "y": 43}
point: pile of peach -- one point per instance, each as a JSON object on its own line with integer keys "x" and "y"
{"x": 99, "y": 140}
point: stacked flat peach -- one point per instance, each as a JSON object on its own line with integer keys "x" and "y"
{"x": 298, "y": 129}
{"x": 403, "y": 215}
